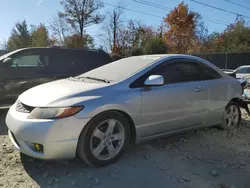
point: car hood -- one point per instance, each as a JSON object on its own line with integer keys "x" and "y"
{"x": 54, "y": 93}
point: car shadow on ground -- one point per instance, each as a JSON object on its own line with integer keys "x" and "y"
{"x": 136, "y": 165}
{"x": 184, "y": 160}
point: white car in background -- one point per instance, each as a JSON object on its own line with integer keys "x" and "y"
{"x": 242, "y": 71}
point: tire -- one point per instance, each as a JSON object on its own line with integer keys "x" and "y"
{"x": 95, "y": 137}
{"x": 234, "y": 117}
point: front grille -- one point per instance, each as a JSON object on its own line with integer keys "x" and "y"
{"x": 20, "y": 107}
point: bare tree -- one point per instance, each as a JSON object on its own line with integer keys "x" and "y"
{"x": 112, "y": 28}
{"x": 115, "y": 25}
{"x": 82, "y": 13}
{"x": 60, "y": 28}
{"x": 134, "y": 37}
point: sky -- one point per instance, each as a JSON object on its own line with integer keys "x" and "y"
{"x": 43, "y": 11}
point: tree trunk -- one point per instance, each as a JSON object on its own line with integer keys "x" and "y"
{"x": 114, "y": 30}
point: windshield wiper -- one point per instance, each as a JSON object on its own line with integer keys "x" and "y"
{"x": 97, "y": 79}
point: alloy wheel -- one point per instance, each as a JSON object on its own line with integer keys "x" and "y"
{"x": 232, "y": 116}
{"x": 107, "y": 139}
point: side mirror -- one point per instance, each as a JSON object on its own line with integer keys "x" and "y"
{"x": 154, "y": 80}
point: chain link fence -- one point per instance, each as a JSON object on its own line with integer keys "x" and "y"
{"x": 226, "y": 60}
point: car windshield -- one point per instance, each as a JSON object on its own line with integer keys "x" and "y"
{"x": 121, "y": 69}
{"x": 243, "y": 70}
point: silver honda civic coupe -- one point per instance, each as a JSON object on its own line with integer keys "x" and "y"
{"x": 97, "y": 115}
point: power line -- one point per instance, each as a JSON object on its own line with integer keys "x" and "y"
{"x": 153, "y": 5}
{"x": 164, "y": 8}
{"x": 217, "y": 8}
{"x": 246, "y": 1}
{"x": 237, "y": 4}
{"x": 145, "y": 13}
{"x": 168, "y": 9}
{"x": 216, "y": 22}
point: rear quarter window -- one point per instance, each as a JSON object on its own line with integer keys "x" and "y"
{"x": 92, "y": 60}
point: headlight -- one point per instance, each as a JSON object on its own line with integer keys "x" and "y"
{"x": 53, "y": 113}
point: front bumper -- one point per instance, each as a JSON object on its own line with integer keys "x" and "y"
{"x": 58, "y": 137}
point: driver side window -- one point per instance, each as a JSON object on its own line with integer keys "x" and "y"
{"x": 26, "y": 61}
{"x": 178, "y": 72}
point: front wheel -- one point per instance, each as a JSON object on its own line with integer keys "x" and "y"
{"x": 104, "y": 139}
{"x": 231, "y": 116}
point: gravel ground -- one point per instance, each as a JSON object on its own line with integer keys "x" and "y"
{"x": 199, "y": 159}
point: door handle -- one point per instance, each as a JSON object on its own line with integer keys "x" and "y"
{"x": 198, "y": 89}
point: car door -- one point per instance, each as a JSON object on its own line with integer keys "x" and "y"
{"x": 218, "y": 93}
{"x": 180, "y": 103}
{"x": 27, "y": 70}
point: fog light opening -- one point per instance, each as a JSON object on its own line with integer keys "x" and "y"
{"x": 38, "y": 147}
{"x": 35, "y": 147}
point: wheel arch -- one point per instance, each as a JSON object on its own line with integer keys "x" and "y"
{"x": 131, "y": 126}
{"x": 240, "y": 102}
{"x": 120, "y": 110}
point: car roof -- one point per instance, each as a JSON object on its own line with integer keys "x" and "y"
{"x": 244, "y": 66}
{"x": 61, "y": 48}
{"x": 157, "y": 57}
{"x": 160, "y": 57}
{"x": 165, "y": 55}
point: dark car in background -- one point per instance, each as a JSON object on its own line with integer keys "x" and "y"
{"x": 26, "y": 68}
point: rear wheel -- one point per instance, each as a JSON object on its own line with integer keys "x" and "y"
{"x": 104, "y": 139}
{"x": 231, "y": 117}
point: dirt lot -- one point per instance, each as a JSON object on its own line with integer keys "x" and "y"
{"x": 203, "y": 159}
